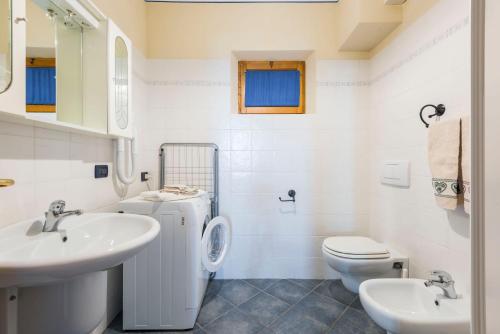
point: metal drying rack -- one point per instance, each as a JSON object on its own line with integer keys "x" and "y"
{"x": 192, "y": 164}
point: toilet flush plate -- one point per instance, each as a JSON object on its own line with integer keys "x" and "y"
{"x": 396, "y": 173}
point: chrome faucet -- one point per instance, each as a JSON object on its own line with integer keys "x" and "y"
{"x": 56, "y": 214}
{"x": 443, "y": 280}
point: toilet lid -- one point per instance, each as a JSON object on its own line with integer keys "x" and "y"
{"x": 356, "y": 247}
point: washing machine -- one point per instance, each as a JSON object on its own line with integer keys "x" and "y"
{"x": 164, "y": 285}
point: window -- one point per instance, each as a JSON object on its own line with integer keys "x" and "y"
{"x": 40, "y": 85}
{"x": 271, "y": 87}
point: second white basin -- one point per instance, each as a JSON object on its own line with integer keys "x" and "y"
{"x": 95, "y": 242}
{"x": 407, "y": 306}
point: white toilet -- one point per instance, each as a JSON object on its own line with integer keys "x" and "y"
{"x": 359, "y": 258}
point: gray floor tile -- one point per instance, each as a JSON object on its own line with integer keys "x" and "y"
{"x": 264, "y": 308}
{"x": 295, "y": 322}
{"x": 287, "y": 291}
{"x": 307, "y": 283}
{"x": 322, "y": 309}
{"x": 212, "y": 309}
{"x": 354, "y": 321}
{"x": 116, "y": 325}
{"x": 238, "y": 291}
{"x": 214, "y": 286}
{"x": 238, "y": 306}
{"x": 196, "y": 330}
{"x": 110, "y": 331}
{"x": 116, "y": 328}
{"x": 357, "y": 304}
{"x": 336, "y": 290}
{"x": 233, "y": 322}
{"x": 262, "y": 283}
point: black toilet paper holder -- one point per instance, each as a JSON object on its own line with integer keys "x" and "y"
{"x": 291, "y": 193}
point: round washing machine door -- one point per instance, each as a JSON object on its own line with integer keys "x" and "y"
{"x": 215, "y": 243}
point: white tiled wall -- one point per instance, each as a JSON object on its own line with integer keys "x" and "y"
{"x": 49, "y": 165}
{"x": 428, "y": 63}
{"x": 322, "y": 155}
{"x": 364, "y": 112}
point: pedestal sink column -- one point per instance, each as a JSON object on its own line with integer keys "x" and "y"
{"x": 78, "y": 304}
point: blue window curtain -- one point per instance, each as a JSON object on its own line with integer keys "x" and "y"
{"x": 272, "y": 88}
{"x": 41, "y": 85}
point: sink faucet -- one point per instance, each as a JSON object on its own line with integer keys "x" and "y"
{"x": 56, "y": 214}
{"x": 443, "y": 280}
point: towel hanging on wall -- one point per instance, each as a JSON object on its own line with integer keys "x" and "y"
{"x": 449, "y": 159}
{"x": 443, "y": 148}
{"x": 465, "y": 162}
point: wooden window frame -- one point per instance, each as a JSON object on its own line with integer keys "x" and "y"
{"x": 243, "y": 66}
{"x": 41, "y": 62}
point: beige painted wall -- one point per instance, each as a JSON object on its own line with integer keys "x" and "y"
{"x": 347, "y": 23}
{"x": 189, "y": 30}
{"x": 174, "y": 30}
{"x": 130, "y": 16}
{"x": 362, "y": 24}
{"x": 214, "y": 30}
{"x": 40, "y": 32}
{"x": 412, "y": 10}
{"x": 4, "y": 26}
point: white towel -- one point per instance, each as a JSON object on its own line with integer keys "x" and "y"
{"x": 465, "y": 162}
{"x": 180, "y": 189}
{"x": 157, "y": 196}
{"x": 443, "y": 149}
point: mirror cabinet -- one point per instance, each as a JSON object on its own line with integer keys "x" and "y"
{"x": 70, "y": 66}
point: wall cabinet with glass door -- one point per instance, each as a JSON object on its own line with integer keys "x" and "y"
{"x": 70, "y": 66}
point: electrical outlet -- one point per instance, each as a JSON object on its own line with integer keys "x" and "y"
{"x": 145, "y": 176}
{"x": 100, "y": 171}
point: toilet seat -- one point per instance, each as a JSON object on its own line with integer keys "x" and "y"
{"x": 355, "y": 248}
{"x": 357, "y": 259}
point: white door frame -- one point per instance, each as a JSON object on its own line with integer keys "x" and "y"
{"x": 478, "y": 306}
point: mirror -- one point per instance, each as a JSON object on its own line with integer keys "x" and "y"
{"x": 120, "y": 117}
{"x": 121, "y": 83}
{"x": 5, "y": 45}
{"x": 66, "y": 66}
{"x": 53, "y": 65}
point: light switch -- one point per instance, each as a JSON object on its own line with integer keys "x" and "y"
{"x": 396, "y": 173}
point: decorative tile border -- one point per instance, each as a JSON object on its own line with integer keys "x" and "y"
{"x": 457, "y": 27}
{"x": 189, "y": 83}
{"x": 139, "y": 76}
{"x": 360, "y": 83}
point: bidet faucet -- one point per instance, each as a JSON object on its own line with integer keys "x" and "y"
{"x": 56, "y": 214}
{"x": 443, "y": 280}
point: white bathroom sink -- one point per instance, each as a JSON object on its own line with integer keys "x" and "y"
{"x": 95, "y": 242}
{"x": 407, "y": 306}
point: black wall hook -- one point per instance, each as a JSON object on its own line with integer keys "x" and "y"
{"x": 438, "y": 111}
{"x": 291, "y": 193}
